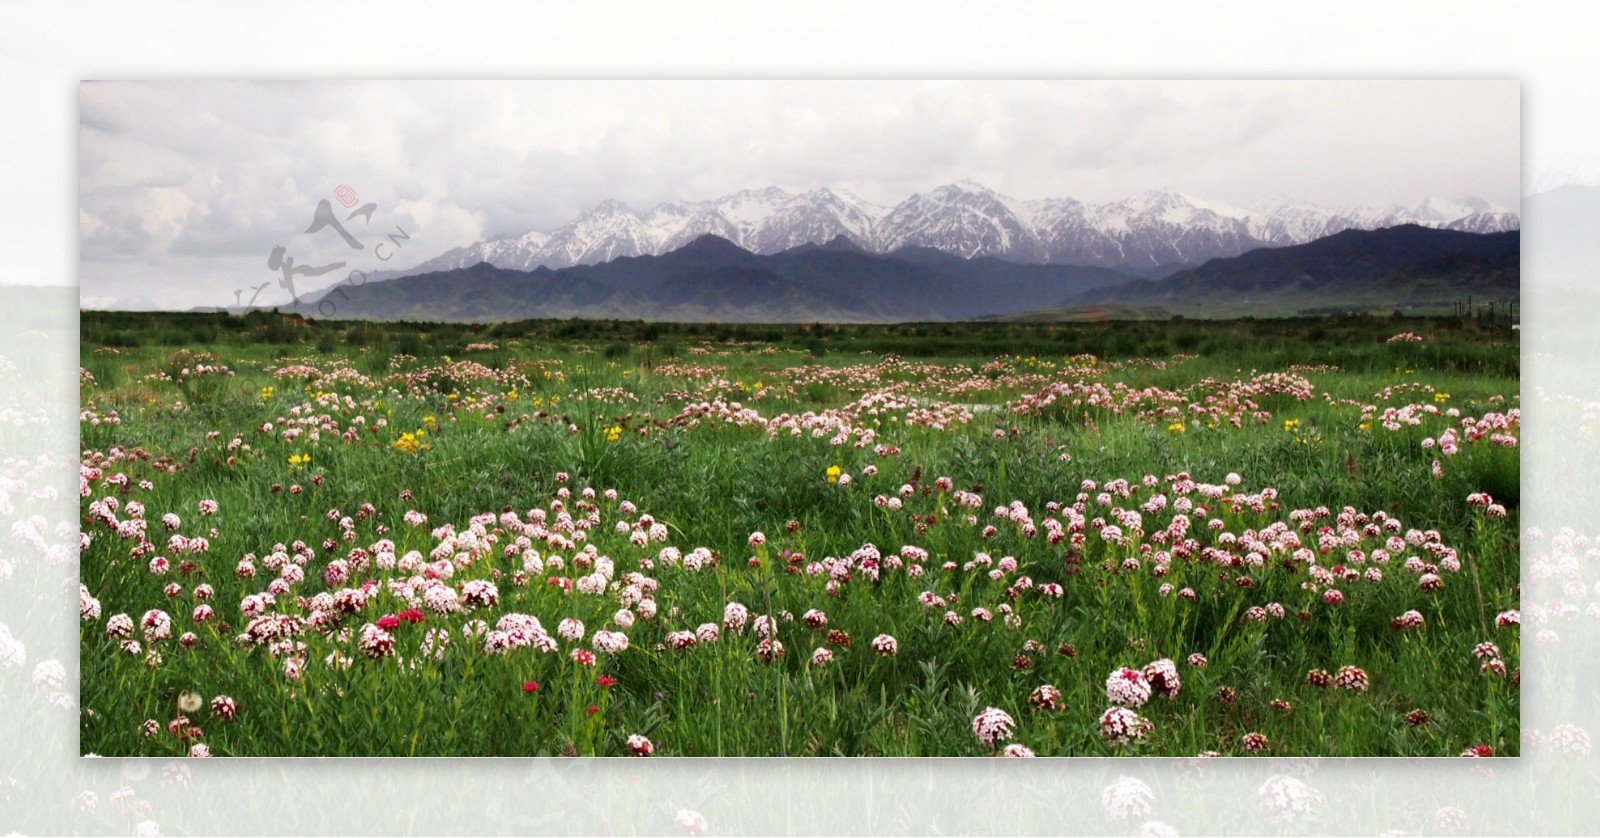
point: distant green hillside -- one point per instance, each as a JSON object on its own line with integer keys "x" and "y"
{"x": 1086, "y": 314}
{"x": 1410, "y": 268}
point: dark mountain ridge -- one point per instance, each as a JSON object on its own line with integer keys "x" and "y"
{"x": 1408, "y": 266}
{"x": 711, "y": 278}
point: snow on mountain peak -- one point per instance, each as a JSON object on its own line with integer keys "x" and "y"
{"x": 1154, "y": 200}
{"x": 968, "y": 219}
{"x": 1447, "y": 209}
{"x": 1221, "y": 208}
{"x": 606, "y": 210}
{"x": 962, "y": 190}
{"x": 1440, "y": 209}
{"x": 970, "y": 185}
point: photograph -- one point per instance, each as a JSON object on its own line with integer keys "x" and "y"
{"x": 799, "y": 418}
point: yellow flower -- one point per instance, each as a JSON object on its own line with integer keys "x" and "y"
{"x": 833, "y": 474}
{"x": 1291, "y": 424}
{"x": 1441, "y": 398}
{"x": 1366, "y": 426}
{"x": 1176, "y": 428}
{"x": 613, "y": 433}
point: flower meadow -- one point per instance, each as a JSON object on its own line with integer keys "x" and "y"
{"x": 412, "y": 540}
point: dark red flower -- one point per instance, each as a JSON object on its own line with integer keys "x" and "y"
{"x": 606, "y": 681}
{"x": 531, "y": 687}
{"x": 388, "y": 622}
{"x": 593, "y": 709}
{"x": 412, "y": 616}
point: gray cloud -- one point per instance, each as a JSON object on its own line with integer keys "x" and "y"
{"x": 185, "y": 187}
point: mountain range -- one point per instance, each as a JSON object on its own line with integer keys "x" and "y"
{"x": 712, "y": 278}
{"x": 1150, "y": 234}
{"x": 1404, "y": 267}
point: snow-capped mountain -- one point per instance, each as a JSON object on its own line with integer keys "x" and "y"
{"x": 759, "y": 220}
{"x": 964, "y": 219}
{"x": 1149, "y": 230}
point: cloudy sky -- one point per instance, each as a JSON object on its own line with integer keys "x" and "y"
{"x": 185, "y": 188}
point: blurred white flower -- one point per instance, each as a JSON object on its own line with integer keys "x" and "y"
{"x": 1289, "y": 798}
{"x": 12, "y": 652}
{"x": 49, "y": 675}
{"x": 1450, "y": 818}
{"x": 692, "y": 821}
{"x": 1127, "y": 798}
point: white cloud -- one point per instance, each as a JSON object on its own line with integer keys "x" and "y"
{"x": 188, "y": 185}
{"x": 88, "y": 225}
{"x": 448, "y": 224}
{"x": 162, "y": 212}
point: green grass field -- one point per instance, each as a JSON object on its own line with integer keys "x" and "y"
{"x": 944, "y": 539}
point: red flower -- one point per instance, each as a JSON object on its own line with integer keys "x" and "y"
{"x": 412, "y": 616}
{"x": 531, "y": 687}
{"x": 606, "y": 681}
{"x": 593, "y": 709}
{"x": 389, "y": 622}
